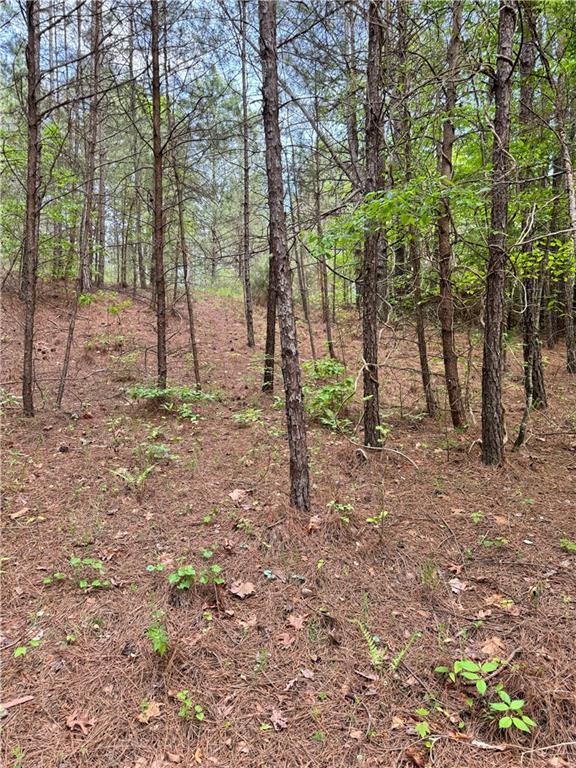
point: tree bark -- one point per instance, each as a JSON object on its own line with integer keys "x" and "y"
{"x": 245, "y": 252}
{"x": 32, "y": 215}
{"x": 445, "y": 256}
{"x": 158, "y": 212}
{"x": 371, "y": 243}
{"x": 493, "y": 427}
{"x": 299, "y": 475}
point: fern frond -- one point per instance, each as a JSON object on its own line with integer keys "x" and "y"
{"x": 377, "y": 655}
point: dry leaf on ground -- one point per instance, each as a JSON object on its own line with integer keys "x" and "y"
{"x": 278, "y": 720}
{"x": 242, "y": 589}
{"x": 238, "y": 495}
{"x": 83, "y": 723}
{"x": 297, "y": 621}
{"x": 150, "y": 710}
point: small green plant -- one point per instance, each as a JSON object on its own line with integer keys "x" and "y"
{"x": 568, "y": 545}
{"x": 323, "y": 369}
{"x": 262, "y": 657}
{"x": 498, "y": 543}
{"x": 422, "y": 726}
{"x": 511, "y": 713}
{"x": 18, "y": 754}
{"x": 377, "y": 654}
{"x": 319, "y": 736}
{"x": 22, "y": 650}
{"x": 211, "y": 516}
{"x": 342, "y": 510}
{"x": 7, "y": 399}
{"x": 186, "y": 576}
{"x": 156, "y": 452}
{"x": 54, "y": 577}
{"x": 401, "y": 655}
{"x": 378, "y": 519}
{"x": 83, "y": 567}
{"x": 429, "y": 574}
{"x": 476, "y": 517}
{"x": 158, "y": 635}
{"x": 471, "y": 672}
{"x": 135, "y": 479}
{"x": 248, "y": 417}
{"x": 188, "y": 708}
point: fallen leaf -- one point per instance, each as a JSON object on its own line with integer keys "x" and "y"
{"x": 242, "y": 589}
{"x": 150, "y": 710}
{"x": 356, "y": 734}
{"x": 237, "y": 495}
{"x": 285, "y": 639}
{"x": 173, "y": 757}
{"x": 493, "y": 647}
{"x": 198, "y": 755}
{"x": 278, "y": 720}
{"x": 314, "y": 523}
{"x": 307, "y": 674}
{"x": 457, "y": 585}
{"x": 558, "y": 762}
{"x": 297, "y": 621}
{"x": 397, "y": 723}
{"x": 80, "y": 722}
{"x": 416, "y": 756}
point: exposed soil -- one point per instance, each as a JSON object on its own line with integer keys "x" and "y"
{"x": 467, "y": 564}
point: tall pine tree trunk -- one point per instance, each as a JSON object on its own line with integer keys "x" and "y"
{"x": 445, "y": 257}
{"x": 299, "y": 475}
{"x": 158, "y": 212}
{"x": 32, "y": 215}
{"x": 372, "y": 239}
{"x": 493, "y": 427}
{"x": 245, "y": 251}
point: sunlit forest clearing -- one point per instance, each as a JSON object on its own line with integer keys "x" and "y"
{"x": 288, "y": 384}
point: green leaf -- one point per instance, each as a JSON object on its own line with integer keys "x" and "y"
{"x": 442, "y": 670}
{"x": 520, "y": 724}
{"x": 422, "y": 729}
{"x": 468, "y": 666}
{"x": 481, "y": 687}
{"x": 504, "y": 696}
{"x": 20, "y": 651}
{"x": 470, "y": 676}
{"x": 499, "y": 706}
{"x": 517, "y": 704}
{"x": 490, "y": 666}
{"x": 505, "y": 722}
{"x": 529, "y": 721}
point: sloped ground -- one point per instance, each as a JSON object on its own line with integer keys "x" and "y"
{"x": 467, "y": 564}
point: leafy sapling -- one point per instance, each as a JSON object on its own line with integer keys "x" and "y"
{"x": 511, "y": 713}
{"x": 470, "y": 672}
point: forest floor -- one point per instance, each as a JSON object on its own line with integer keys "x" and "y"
{"x": 467, "y": 563}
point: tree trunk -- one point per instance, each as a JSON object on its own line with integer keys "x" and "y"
{"x": 533, "y": 371}
{"x": 323, "y": 272}
{"x": 299, "y": 475}
{"x": 87, "y": 235}
{"x": 32, "y": 216}
{"x": 270, "y": 345}
{"x": 371, "y": 244}
{"x": 245, "y": 252}
{"x": 158, "y": 213}
{"x": 445, "y": 258}
{"x": 493, "y": 427}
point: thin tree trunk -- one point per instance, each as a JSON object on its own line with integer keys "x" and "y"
{"x": 414, "y": 247}
{"x": 270, "y": 345}
{"x": 299, "y": 474}
{"x": 86, "y": 239}
{"x": 245, "y": 252}
{"x": 32, "y": 216}
{"x": 493, "y": 427}
{"x": 322, "y": 256}
{"x": 371, "y": 244}
{"x": 445, "y": 257}
{"x": 158, "y": 212}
